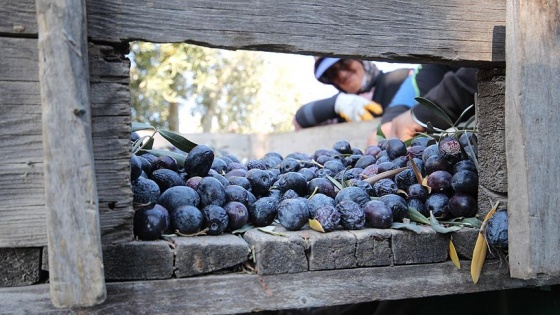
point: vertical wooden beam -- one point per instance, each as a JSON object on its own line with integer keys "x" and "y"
{"x": 75, "y": 257}
{"x": 532, "y": 118}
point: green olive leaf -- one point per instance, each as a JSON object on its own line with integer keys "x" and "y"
{"x": 435, "y": 109}
{"x": 440, "y": 228}
{"x": 380, "y": 133}
{"x": 468, "y": 222}
{"x": 243, "y": 229}
{"x": 416, "y": 216}
{"x": 177, "y": 140}
{"x": 335, "y": 182}
{"x": 463, "y": 114}
{"x": 149, "y": 144}
{"x": 406, "y": 226}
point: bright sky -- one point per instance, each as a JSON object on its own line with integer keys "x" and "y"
{"x": 297, "y": 69}
{"x": 301, "y": 68}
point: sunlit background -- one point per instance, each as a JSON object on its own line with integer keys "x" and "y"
{"x": 192, "y": 89}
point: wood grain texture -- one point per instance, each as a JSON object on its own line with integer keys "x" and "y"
{"x": 426, "y": 31}
{"x": 76, "y": 272}
{"x": 242, "y": 293}
{"x": 532, "y": 116}
{"x": 22, "y": 143}
{"x": 18, "y": 17}
{"x": 467, "y": 32}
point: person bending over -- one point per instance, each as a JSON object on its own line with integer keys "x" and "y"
{"x": 364, "y": 92}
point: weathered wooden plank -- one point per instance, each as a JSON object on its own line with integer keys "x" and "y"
{"x": 18, "y": 17}
{"x": 137, "y": 260}
{"x": 19, "y": 59}
{"x": 23, "y": 225}
{"x": 76, "y": 273}
{"x": 18, "y": 93}
{"x": 426, "y": 31}
{"x": 532, "y": 116}
{"x": 241, "y": 293}
{"x": 22, "y": 144}
{"x": 22, "y": 204}
{"x": 109, "y": 64}
{"x": 21, "y": 149}
{"x": 469, "y": 32}
{"x": 19, "y": 62}
{"x": 18, "y": 98}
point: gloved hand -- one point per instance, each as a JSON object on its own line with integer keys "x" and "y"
{"x": 353, "y": 108}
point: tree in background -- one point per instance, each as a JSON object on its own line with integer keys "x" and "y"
{"x": 222, "y": 87}
{"x": 158, "y": 82}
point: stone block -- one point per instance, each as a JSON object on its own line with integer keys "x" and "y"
{"x": 332, "y": 250}
{"x": 464, "y": 241}
{"x": 419, "y": 248}
{"x": 19, "y": 266}
{"x": 277, "y": 254}
{"x": 138, "y": 260}
{"x": 487, "y": 199}
{"x": 491, "y": 136}
{"x": 373, "y": 247}
{"x": 204, "y": 254}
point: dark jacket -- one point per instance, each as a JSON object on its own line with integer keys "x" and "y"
{"x": 322, "y": 111}
{"x": 451, "y": 88}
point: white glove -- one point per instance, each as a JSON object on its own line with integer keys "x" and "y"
{"x": 352, "y": 107}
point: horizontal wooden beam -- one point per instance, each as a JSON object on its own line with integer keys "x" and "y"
{"x": 434, "y": 31}
{"x": 241, "y": 293}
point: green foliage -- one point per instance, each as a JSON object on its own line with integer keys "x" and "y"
{"x": 157, "y": 79}
{"x": 220, "y": 85}
{"x": 145, "y": 143}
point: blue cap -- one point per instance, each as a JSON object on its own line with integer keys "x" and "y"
{"x": 323, "y": 65}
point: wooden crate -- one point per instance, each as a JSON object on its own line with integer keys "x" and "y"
{"x": 456, "y": 32}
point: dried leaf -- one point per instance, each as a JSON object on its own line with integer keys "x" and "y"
{"x": 177, "y": 140}
{"x": 390, "y": 173}
{"x": 453, "y": 255}
{"x": 316, "y": 225}
{"x": 416, "y": 170}
{"x": 479, "y": 255}
{"x": 480, "y": 248}
{"x": 425, "y": 184}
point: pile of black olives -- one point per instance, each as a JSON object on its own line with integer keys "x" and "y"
{"x": 341, "y": 187}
